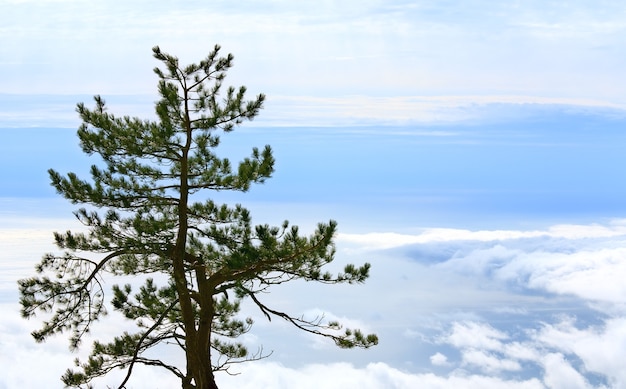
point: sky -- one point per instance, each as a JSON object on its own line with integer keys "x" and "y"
{"x": 471, "y": 151}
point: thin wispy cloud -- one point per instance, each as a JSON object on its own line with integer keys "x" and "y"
{"x": 389, "y": 240}
{"x": 23, "y": 110}
{"x": 370, "y": 48}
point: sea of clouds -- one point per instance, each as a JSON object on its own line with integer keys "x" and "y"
{"x": 540, "y": 308}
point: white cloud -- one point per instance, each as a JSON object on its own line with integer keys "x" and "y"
{"x": 428, "y": 113}
{"x": 371, "y": 48}
{"x": 438, "y": 359}
{"x": 386, "y": 240}
{"x": 489, "y": 363}
{"x": 403, "y": 110}
{"x": 588, "y": 261}
{"x": 521, "y": 351}
{"x": 560, "y": 374}
{"x": 593, "y": 274}
{"x": 601, "y": 348}
{"x": 373, "y": 376}
{"x": 476, "y": 336}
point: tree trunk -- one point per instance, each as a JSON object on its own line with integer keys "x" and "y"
{"x": 197, "y": 340}
{"x": 207, "y": 383}
{"x": 199, "y": 344}
{"x": 199, "y": 368}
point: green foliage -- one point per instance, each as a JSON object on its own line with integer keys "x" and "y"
{"x": 142, "y": 218}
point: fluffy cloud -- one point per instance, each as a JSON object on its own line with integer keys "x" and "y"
{"x": 439, "y": 359}
{"x": 564, "y": 320}
{"x": 589, "y": 272}
{"x": 561, "y": 354}
{"x": 476, "y": 336}
{"x": 488, "y": 362}
{"x": 561, "y": 374}
{"x": 600, "y": 348}
{"x": 372, "y": 376}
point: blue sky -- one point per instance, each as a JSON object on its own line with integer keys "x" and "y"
{"x": 472, "y": 151}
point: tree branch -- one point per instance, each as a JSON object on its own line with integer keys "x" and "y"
{"x": 143, "y": 337}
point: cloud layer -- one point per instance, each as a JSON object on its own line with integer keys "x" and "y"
{"x": 459, "y": 308}
{"x": 371, "y": 48}
{"x": 564, "y": 320}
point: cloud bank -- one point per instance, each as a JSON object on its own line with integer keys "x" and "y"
{"x": 459, "y": 308}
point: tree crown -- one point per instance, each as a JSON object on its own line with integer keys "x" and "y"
{"x": 143, "y": 218}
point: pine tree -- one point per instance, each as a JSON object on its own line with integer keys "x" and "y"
{"x": 147, "y": 215}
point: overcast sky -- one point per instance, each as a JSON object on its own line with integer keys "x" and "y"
{"x": 472, "y": 151}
